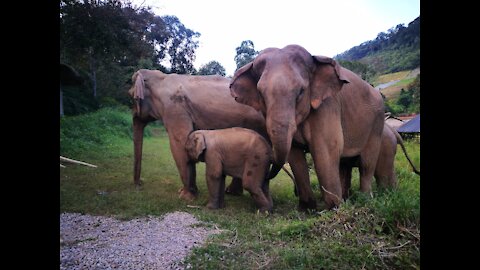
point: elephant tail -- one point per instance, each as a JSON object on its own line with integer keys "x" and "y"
{"x": 400, "y": 141}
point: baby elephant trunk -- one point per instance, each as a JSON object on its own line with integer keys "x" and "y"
{"x": 274, "y": 170}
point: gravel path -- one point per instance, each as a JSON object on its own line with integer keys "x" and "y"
{"x": 96, "y": 242}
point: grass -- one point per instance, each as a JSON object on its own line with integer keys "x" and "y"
{"x": 365, "y": 232}
{"x": 391, "y": 77}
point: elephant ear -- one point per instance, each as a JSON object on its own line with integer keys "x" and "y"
{"x": 328, "y": 79}
{"x": 137, "y": 92}
{"x": 138, "y": 89}
{"x": 243, "y": 87}
{"x": 199, "y": 144}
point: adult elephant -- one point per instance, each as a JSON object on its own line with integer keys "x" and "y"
{"x": 319, "y": 106}
{"x": 185, "y": 103}
{"x": 385, "y": 168}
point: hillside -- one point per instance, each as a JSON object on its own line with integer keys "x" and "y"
{"x": 396, "y": 50}
{"x": 391, "y": 84}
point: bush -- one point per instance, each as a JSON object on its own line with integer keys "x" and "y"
{"x": 91, "y": 131}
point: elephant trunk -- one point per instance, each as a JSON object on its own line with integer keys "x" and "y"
{"x": 274, "y": 171}
{"x": 281, "y": 132}
{"x": 138, "y": 128}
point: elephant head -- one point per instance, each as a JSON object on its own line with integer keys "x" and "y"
{"x": 285, "y": 85}
{"x": 144, "y": 108}
{"x": 195, "y": 146}
{"x": 143, "y": 112}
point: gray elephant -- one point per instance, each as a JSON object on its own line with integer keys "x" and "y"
{"x": 238, "y": 152}
{"x": 313, "y": 104}
{"x": 385, "y": 168}
{"x": 185, "y": 103}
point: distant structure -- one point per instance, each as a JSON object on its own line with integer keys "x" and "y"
{"x": 411, "y": 128}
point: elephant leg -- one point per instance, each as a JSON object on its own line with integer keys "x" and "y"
{"x": 215, "y": 183}
{"x": 266, "y": 190}
{"x": 327, "y": 164}
{"x": 185, "y": 166}
{"x": 346, "y": 178}
{"x": 216, "y": 187}
{"x": 368, "y": 161}
{"x": 299, "y": 166}
{"x": 385, "y": 169}
{"x": 385, "y": 172}
{"x": 235, "y": 187}
{"x": 253, "y": 182}
{"x": 138, "y": 129}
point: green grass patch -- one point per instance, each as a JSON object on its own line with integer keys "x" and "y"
{"x": 391, "y": 77}
{"x": 379, "y": 232}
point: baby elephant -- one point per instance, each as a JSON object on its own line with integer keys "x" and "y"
{"x": 237, "y": 152}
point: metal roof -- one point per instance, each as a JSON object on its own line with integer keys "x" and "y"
{"x": 411, "y": 126}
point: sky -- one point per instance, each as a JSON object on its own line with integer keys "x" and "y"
{"x": 323, "y": 27}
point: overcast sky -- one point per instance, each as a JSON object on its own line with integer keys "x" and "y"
{"x": 323, "y": 27}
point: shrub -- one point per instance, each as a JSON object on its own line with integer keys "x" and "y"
{"x": 91, "y": 131}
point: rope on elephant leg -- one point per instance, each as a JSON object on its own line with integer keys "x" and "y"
{"x": 338, "y": 198}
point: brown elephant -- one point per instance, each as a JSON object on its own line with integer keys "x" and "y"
{"x": 239, "y": 152}
{"x": 185, "y": 103}
{"x": 313, "y": 104}
{"x": 385, "y": 169}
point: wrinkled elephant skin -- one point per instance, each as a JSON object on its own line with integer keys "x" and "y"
{"x": 238, "y": 152}
{"x": 185, "y": 103}
{"x": 313, "y": 104}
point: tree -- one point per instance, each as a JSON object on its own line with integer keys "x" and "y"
{"x": 395, "y": 50}
{"x": 107, "y": 40}
{"x": 404, "y": 99}
{"x": 91, "y": 34}
{"x": 362, "y": 70}
{"x": 415, "y": 90}
{"x": 245, "y": 53}
{"x": 212, "y": 68}
{"x": 181, "y": 45}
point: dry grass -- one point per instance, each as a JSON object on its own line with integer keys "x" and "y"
{"x": 401, "y": 75}
{"x": 391, "y": 77}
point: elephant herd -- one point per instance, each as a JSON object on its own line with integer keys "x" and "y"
{"x": 275, "y": 109}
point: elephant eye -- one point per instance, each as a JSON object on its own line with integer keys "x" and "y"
{"x": 300, "y": 94}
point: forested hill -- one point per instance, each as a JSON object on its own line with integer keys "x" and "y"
{"x": 396, "y": 50}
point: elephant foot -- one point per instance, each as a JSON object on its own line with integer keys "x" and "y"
{"x": 187, "y": 195}
{"x": 330, "y": 204}
{"x": 138, "y": 184}
{"x": 214, "y": 206}
{"x": 303, "y": 206}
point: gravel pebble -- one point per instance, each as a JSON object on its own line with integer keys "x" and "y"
{"x": 97, "y": 242}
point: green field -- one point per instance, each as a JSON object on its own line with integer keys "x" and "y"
{"x": 365, "y": 232}
{"x": 404, "y": 78}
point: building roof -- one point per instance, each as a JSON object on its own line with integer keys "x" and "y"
{"x": 411, "y": 126}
